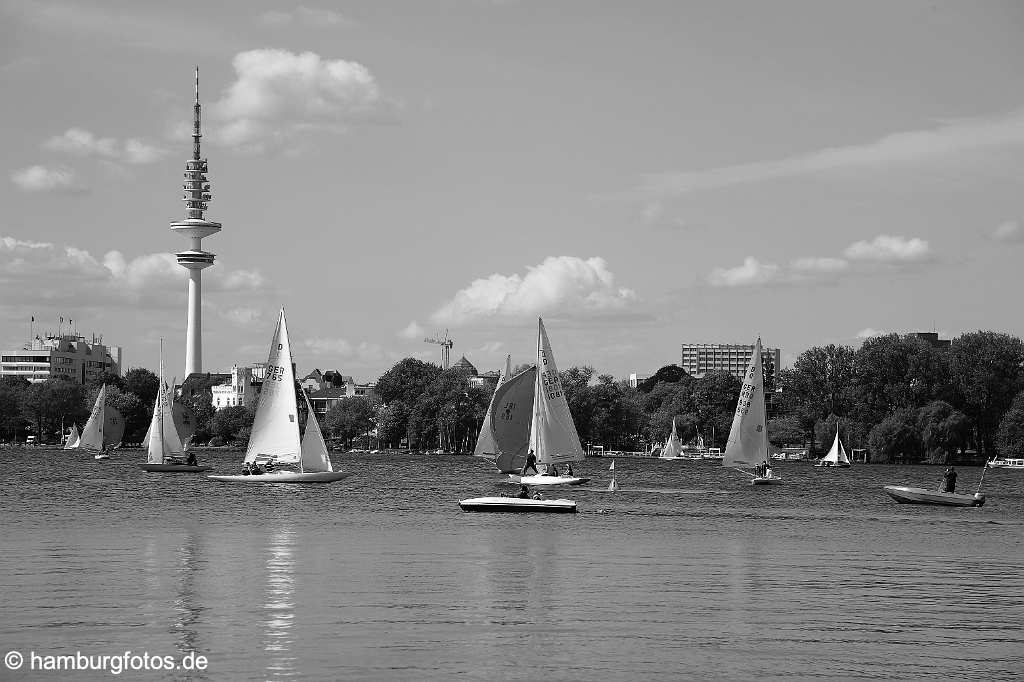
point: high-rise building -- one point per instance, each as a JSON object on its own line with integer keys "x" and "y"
{"x": 195, "y": 227}
{"x": 65, "y": 355}
{"x": 700, "y": 358}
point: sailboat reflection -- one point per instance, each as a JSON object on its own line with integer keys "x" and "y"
{"x": 279, "y": 608}
{"x": 186, "y": 605}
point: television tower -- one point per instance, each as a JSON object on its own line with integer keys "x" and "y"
{"x": 195, "y": 227}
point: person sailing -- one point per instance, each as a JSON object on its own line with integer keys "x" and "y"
{"x": 531, "y": 463}
{"x": 949, "y": 481}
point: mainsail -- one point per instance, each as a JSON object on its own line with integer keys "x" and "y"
{"x": 553, "y": 436}
{"x": 113, "y": 427}
{"x": 513, "y": 415}
{"x": 485, "y": 445}
{"x": 275, "y": 429}
{"x": 673, "y": 448}
{"x": 837, "y": 455}
{"x": 314, "y": 449}
{"x": 72, "y": 442}
{"x": 163, "y": 441}
{"x": 748, "y": 437}
{"x": 92, "y": 433}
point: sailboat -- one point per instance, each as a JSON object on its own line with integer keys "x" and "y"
{"x": 505, "y": 434}
{"x": 673, "y": 449}
{"x": 72, "y": 442}
{"x": 275, "y": 438}
{"x": 105, "y": 427}
{"x": 836, "y": 457}
{"x": 613, "y": 486}
{"x": 166, "y": 453}
{"x": 553, "y": 437}
{"x": 748, "y": 438}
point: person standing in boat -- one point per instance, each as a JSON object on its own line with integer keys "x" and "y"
{"x": 531, "y": 463}
{"x": 949, "y": 481}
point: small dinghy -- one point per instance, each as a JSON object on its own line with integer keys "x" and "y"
{"x": 517, "y": 505}
{"x": 104, "y": 428}
{"x": 545, "y": 480}
{"x": 906, "y": 495}
{"x": 748, "y": 437}
{"x": 166, "y": 454}
{"x": 275, "y": 440}
{"x": 766, "y": 480}
{"x": 284, "y": 477}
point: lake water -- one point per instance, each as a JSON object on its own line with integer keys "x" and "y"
{"x": 686, "y": 572}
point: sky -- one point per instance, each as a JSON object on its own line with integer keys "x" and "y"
{"x": 639, "y": 174}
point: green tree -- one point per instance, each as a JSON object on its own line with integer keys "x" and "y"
{"x": 232, "y": 423}
{"x": 392, "y": 423}
{"x": 943, "y": 430}
{"x": 985, "y": 368}
{"x": 820, "y": 383}
{"x": 406, "y": 381}
{"x": 52, "y": 403}
{"x": 12, "y": 389}
{"x": 670, "y": 374}
{"x": 136, "y": 415}
{"x": 350, "y": 418}
{"x": 142, "y": 383}
{"x": 448, "y": 414}
{"x": 895, "y": 372}
{"x": 1010, "y": 437}
{"x": 786, "y": 431}
{"x": 895, "y": 439}
{"x": 715, "y": 397}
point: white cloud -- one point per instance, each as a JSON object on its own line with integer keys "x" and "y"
{"x": 279, "y": 94}
{"x": 363, "y": 353}
{"x": 44, "y": 179}
{"x": 412, "y": 331}
{"x": 312, "y": 17}
{"x": 870, "y": 332}
{"x": 889, "y": 249}
{"x": 947, "y": 140}
{"x": 81, "y": 142}
{"x": 46, "y": 271}
{"x": 1009, "y": 231}
{"x": 751, "y": 273}
{"x": 560, "y": 284}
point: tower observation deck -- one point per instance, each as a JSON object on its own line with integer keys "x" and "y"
{"x": 195, "y": 227}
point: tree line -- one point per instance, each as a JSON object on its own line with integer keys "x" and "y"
{"x": 898, "y": 397}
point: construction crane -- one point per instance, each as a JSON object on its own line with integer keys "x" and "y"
{"x": 446, "y": 344}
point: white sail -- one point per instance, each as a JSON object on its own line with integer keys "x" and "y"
{"x": 184, "y": 421}
{"x": 92, "y": 433}
{"x": 485, "y": 445}
{"x": 837, "y": 455}
{"x": 553, "y": 436}
{"x": 314, "y": 449}
{"x": 748, "y": 437}
{"x": 673, "y": 448}
{"x": 275, "y": 429}
{"x": 162, "y": 439}
{"x": 72, "y": 442}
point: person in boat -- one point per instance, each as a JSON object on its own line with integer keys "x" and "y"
{"x": 269, "y": 466}
{"x": 767, "y": 470}
{"x": 537, "y": 495}
{"x": 191, "y": 460}
{"x": 949, "y": 481}
{"x": 255, "y": 469}
{"x": 568, "y": 469}
{"x": 524, "y": 493}
{"x": 531, "y": 463}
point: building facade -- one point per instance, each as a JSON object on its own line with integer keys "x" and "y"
{"x": 64, "y": 355}
{"x": 700, "y": 358}
{"x": 242, "y": 389}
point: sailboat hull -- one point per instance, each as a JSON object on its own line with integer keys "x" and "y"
{"x": 517, "y": 505}
{"x": 761, "y": 480}
{"x": 832, "y": 465}
{"x": 101, "y": 455}
{"x": 905, "y": 495}
{"x": 284, "y": 477}
{"x": 174, "y": 468}
{"x": 547, "y": 480}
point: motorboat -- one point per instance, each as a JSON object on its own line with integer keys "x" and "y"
{"x": 907, "y": 495}
{"x": 517, "y": 505}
